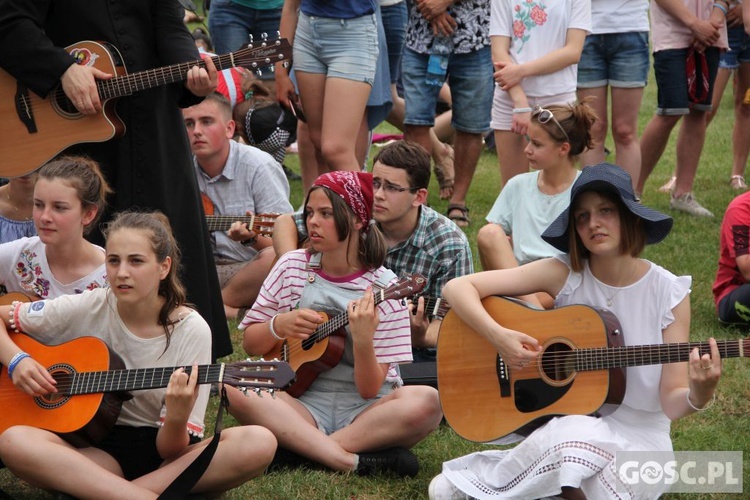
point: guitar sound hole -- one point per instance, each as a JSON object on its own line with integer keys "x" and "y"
{"x": 558, "y": 362}
{"x": 63, "y": 105}
{"x": 62, "y": 373}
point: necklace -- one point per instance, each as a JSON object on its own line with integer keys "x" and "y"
{"x": 610, "y": 299}
{"x": 10, "y": 202}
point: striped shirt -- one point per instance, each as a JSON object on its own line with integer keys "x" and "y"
{"x": 282, "y": 290}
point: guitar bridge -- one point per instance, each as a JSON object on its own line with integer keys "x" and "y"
{"x": 23, "y": 108}
{"x": 503, "y": 377}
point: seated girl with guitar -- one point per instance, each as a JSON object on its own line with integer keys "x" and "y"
{"x": 143, "y": 315}
{"x": 355, "y": 416}
{"x": 602, "y": 233}
{"x": 69, "y": 196}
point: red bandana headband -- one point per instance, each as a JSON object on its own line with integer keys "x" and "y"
{"x": 355, "y": 188}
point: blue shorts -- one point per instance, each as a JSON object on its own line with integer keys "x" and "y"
{"x": 739, "y": 49}
{"x": 673, "y": 97}
{"x": 472, "y": 88}
{"x": 338, "y": 48}
{"x": 614, "y": 59}
{"x": 333, "y": 405}
{"x": 395, "y": 18}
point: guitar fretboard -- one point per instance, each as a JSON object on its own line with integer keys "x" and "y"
{"x": 613, "y": 357}
{"x": 131, "y": 380}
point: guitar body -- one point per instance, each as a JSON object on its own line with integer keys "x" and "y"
{"x": 310, "y": 359}
{"x": 483, "y": 399}
{"x": 82, "y": 419}
{"x": 55, "y": 122}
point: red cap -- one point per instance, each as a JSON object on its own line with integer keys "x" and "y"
{"x": 355, "y": 188}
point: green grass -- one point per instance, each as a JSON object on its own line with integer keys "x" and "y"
{"x": 691, "y": 249}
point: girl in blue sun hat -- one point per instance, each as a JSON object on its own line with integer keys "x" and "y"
{"x": 602, "y": 233}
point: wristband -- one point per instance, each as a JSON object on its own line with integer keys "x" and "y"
{"x": 517, "y": 111}
{"x": 721, "y": 8}
{"x": 249, "y": 242}
{"x": 14, "y": 362}
{"x": 273, "y": 331}
{"x": 706, "y": 407}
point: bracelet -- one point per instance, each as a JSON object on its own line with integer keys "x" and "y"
{"x": 705, "y": 407}
{"x": 248, "y": 242}
{"x": 14, "y": 362}
{"x": 517, "y": 111}
{"x": 721, "y": 8}
{"x": 273, "y": 331}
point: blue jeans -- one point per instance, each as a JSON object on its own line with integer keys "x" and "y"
{"x": 614, "y": 59}
{"x": 472, "y": 88}
{"x": 395, "y": 18}
{"x": 739, "y": 49}
{"x": 673, "y": 97}
{"x": 231, "y": 25}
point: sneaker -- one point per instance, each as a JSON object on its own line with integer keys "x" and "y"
{"x": 398, "y": 461}
{"x": 442, "y": 489}
{"x": 686, "y": 203}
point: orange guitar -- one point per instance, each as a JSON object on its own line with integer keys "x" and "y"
{"x": 323, "y": 349}
{"x": 9, "y": 298}
{"x": 261, "y": 224}
{"x": 92, "y": 384}
{"x": 581, "y": 368}
{"x": 34, "y": 130}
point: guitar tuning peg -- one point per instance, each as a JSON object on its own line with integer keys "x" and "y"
{"x": 243, "y": 390}
{"x": 250, "y": 36}
{"x": 272, "y": 392}
{"x": 258, "y": 391}
{"x": 278, "y": 35}
{"x": 264, "y": 36}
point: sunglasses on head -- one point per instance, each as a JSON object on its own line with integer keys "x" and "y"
{"x": 543, "y": 116}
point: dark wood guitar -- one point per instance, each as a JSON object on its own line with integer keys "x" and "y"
{"x": 261, "y": 224}
{"x": 580, "y": 371}
{"x": 323, "y": 349}
{"x": 434, "y": 307}
{"x": 35, "y": 130}
{"x": 92, "y": 385}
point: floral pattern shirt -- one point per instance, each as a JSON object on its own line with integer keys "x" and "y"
{"x": 471, "y": 33}
{"x": 24, "y": 269}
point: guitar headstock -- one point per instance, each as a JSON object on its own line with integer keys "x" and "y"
{"x": 258, "y": 374}
{"x": 258, "y": 54}
{"x": 263, "y": 224}
{"x": 409, "y": 285}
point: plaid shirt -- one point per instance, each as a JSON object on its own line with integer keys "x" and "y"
{"x": 437, "y": 249}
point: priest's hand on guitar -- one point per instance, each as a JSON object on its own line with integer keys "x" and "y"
{"x": 32, "y": 378}
{"x": 79, "y": 84}
{"x": 202, "y": 81}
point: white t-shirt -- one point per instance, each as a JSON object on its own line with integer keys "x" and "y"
{"x": 94, "y": 313}
{"x": 537, "y": 29}
{"x": 619, "y": 16}
{"x": 525, "y": 212}
{"x": 24, "y": 269}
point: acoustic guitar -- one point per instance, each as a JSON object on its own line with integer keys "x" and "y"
{"x": 35, "y": 130}
{"x": 323, "y": 349}
{"x": 92, "y": 384}
{"x": 580, "y": 371}
{"x": 8, "y": 298}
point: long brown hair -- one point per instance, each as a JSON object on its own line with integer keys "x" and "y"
{"x": 163, "y": 244}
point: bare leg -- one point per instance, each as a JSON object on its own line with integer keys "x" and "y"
{"x": 243, "y": 288}
{"x": 308, "y": 157}
{"x": 598, "y": 103}
{"x": 510, "y": 154}
{"x": 741, "y": 131}
{"x": 690, "y": 141}
{"x": 653, "y": 142}
{"x": 467, "y": 148}
{"x": 626, "y": 103}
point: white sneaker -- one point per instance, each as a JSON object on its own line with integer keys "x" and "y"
{"x": 442, "y": 489}
{"x": 688, "y": 204}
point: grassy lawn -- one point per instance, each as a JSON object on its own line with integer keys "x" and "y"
{"x": 691, "y": 249}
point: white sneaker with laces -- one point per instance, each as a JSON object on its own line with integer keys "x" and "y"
{"x": 688, "y": 204}
{"x": 442, "y": 489}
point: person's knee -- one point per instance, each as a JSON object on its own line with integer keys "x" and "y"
{"x": 13, "y": 442}
{"x": 425, "y": 412}
{"x": 263, "y": 448}
{"x": 624, "y": 133}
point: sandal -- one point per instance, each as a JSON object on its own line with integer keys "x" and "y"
{"x": 445, "y": 173}
{"x": 669, "y": 186}
{"x": 460, "y": 220}
{"x": 738, "y": 183}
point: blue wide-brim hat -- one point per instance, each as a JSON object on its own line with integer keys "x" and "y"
{"x": 608, "y": 177}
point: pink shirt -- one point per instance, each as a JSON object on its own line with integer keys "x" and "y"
{"x": 669, "y": 33}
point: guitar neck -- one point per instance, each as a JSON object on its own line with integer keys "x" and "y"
{"x": 224, "y": 222}
{"x": 132, "y": 380}
{"x": 641, "y": 355}
{"x": 130, "y": 83}
{"x": 326, "y": 329}
{"x": 436, "y": 307}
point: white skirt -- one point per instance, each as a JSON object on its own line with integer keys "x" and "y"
{"x": 575, "y": 451}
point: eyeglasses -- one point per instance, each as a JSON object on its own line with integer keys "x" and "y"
{"x": 391, "y": 188}
{"x": 544, "y": 116}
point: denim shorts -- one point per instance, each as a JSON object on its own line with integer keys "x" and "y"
{"x": 671, "y": 79}
{"x": 614, "y": 59}
{"x": 395, "y": 18}
{"x": 339, "y": 48}
{"x": 739, "y": 49}
{"x": 230, "y": 25}
{"x": 471, "y": 83}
